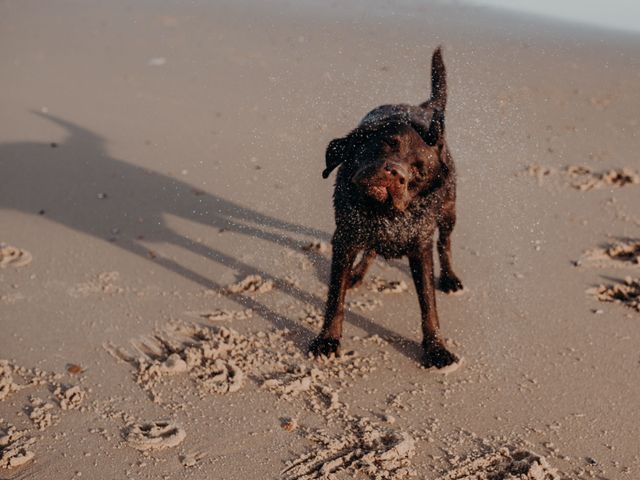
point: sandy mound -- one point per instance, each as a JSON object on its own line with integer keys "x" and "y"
{"x": 220, "y": 315}
{"x": 191, "y": 459}
{"x": 628, "y": 251}
{"x": 584, "y": 178}
{"x": 40, "y": 413}
{"x": 312, "y": 317}
{"x": 221, "y": 377}
{"x": 103, "y": 283}
{"x": 29, "y": 377}
{"x": 379, "y": 284}
{"x": 364, "y": 304}
{"x": 321, "y": 398}
{"x": 13, "y": 257}
{"x": 14, "y": 448}
{"x": 626, "y": 293}
{"x": 505, "y": 464}
{"x": 540, "y": 172}
{"x": 623, "y": 253}
{"x": 7, "y": 385}
{"x": 70, "y": 398}
{"x": 366, "y": 450}
{"x": 250, "y": 284}
{"x": 154, "y": 435}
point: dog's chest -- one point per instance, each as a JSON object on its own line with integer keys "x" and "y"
{"x": 391, "y": 236}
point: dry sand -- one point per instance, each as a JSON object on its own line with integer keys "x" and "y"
{"x": 166, "y": 236}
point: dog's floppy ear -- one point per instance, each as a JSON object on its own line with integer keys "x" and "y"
{"x": 335, "y": 155}
{"x": 433, "y": 132}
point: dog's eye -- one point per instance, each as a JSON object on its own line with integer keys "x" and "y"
{"x": 392, "y": 143}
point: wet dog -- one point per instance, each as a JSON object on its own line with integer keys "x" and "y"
{"x": 396, "y": 184}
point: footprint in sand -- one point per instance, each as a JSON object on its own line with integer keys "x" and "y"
{"x": 363, "y": 450}
{"x": 505, "y": 463}
{"x": 154, "y": 435}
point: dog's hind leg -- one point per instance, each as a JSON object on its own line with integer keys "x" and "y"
{"x": 359, "y": 270}
{"x": 449, "y": 281}
{"x": 435, "y": 353}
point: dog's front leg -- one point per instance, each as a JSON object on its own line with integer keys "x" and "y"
{"x": 360, "y": 270}
{"x": 421, "y": 263}
{"x": 328, "y": 341}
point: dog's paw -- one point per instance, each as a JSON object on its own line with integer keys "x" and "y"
{"x": 436, "y": 355}
{"x": 324, "y": 346}
{"x": 450, "y": 284}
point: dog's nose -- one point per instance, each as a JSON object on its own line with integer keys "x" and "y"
{"x": 395, "y": 171}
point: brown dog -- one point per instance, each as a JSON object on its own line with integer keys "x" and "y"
{"x": 396, "y": 184}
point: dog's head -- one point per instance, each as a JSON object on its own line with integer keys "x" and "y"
{"x": 392, "y": 161}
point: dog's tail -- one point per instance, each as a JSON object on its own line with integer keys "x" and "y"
{"x": 438, "y": 98}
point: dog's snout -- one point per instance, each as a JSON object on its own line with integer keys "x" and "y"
{"x": 395, "y": 171}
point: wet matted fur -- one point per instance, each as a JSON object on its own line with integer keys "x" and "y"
{"x": 396, "y": 184}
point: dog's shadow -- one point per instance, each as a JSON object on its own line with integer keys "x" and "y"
{"x": 82, "y": 187}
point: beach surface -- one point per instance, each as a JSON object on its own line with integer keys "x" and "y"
{"x": 167, "y": 244}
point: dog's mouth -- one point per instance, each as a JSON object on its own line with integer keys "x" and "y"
{"x": 377, "y": 192}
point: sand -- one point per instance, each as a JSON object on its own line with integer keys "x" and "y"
{"x": 506, "y": 464}
{"x": 583, "y": 178}
{"x": 621, "y": 253}
{"x": 154, "y": 435}
{"x": 13, "y": 257}
{"x": 15, "y": 448}
{"x": 624, "y": 293}
{"x": 166, "y": 245}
